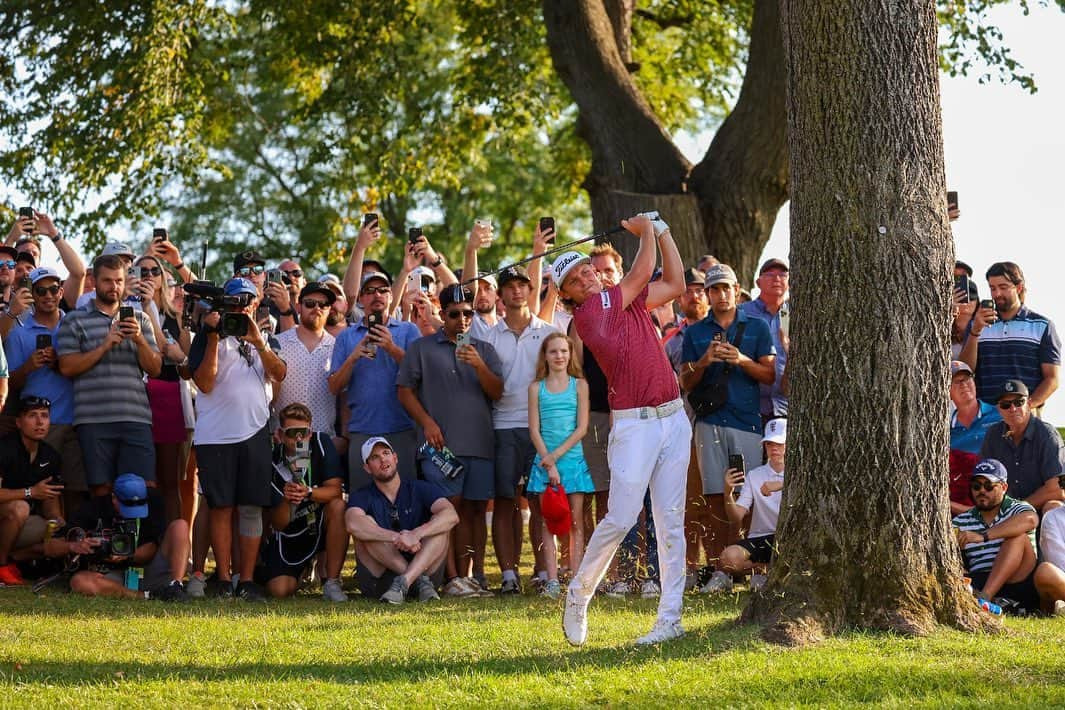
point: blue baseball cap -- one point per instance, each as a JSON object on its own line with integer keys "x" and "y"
{"x": 992, "y": 470}
{"x": 132, "y": 495}
{"x": 237, "y": 286}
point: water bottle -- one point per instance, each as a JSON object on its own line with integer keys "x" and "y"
{"x": 990, "y": 607}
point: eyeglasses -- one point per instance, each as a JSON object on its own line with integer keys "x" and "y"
{"x": 7, "y": 263}
{"x": 315, "y": 303}
{"x": 295, "y": 272}
{"x": 296, "y": 432}
{"x": 393, "y": 513}
{"x": 249, "y": 270}
{"x": 42, "y": 290}
{"x": 379, "y": 290}
{"x": 463, "y": 313}
{"x": 775, "y": 275}
{"x": 1008, "y": 404}
{"x": 985, "y": 486}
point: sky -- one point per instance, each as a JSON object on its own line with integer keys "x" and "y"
{"x": 1005, "y": 153}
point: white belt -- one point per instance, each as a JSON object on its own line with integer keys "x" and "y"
{"x": 660, "y": 412}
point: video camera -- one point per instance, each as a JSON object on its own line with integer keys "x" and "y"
{"x": 207, "y": 297}
{"x": 118, "y": 541}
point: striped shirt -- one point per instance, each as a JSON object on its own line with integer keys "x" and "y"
{"x": 113, "y": 389}
{"x": 1015, "y": 349}
{"x": 980, "y": 556}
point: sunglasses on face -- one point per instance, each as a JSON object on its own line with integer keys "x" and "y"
{"x": 464, "y": 313}
{"x": 977, "y": 486}
{"x": 42, "y": 290}
{"x": 1008, "y": 404}
{"x": 296, "y": 432}
{"x": 379, "y": 290}
{"x": 7, "y": 264}
{"x": 249, "y": 270}
{"x": 295, "y": 272}
{"x": 314, "y": 303}
{"x": 150, "y": 271}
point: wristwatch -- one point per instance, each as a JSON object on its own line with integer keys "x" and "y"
{"x": 57, "y": 238}
{"x": 291, "y": 312}
{"x": 28, "y": 494}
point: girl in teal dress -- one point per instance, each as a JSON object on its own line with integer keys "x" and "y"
{"x": 558, "y": 420}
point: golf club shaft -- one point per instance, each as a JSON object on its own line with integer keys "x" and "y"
{"x": 546, "y": 252}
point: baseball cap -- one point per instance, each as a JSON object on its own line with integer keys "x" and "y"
{"x": 247, "y": 258}
{"x": 9, "y": 250}
{"x": 1012, "y": 387}
{"x": 488, "y": 279}
{"x": 371, "y": 275}
{"x": 318, "y": 287}
{"x": 117, "y": 249}
{"x": 776, "y": 431}
{"x": 720, "y": 274}
{"x": 132, "y": 496}
{"x": 693, "y": 276}
{"x": 565, "y": 263}
{"x": 992, "y": 470}
{"x": 32, "y": 401}
{"x": 957, "y": 366}
{"x": 773, "y": 264}
{"x": 367, "y": 448}
{"x": 964, "y": 267}
{"x": 554, "y": 506}
{"x": 330, "y": 279}
{"x": 423, "y": 272}
{"x": 237, "y": 286}
{"x": 513, "y": 273}
{"x": 455, "y": 294}
{"x": 43, "y": 272}
{"x": 26, "y": 257}
{"x": 369, "y": 265}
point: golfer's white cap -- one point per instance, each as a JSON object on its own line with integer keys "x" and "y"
{"x": 565, "y": 263}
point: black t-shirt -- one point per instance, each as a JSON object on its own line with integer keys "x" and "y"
{"x": 325, "y": 465}
{"x": 99, "y": 513}
{"x": 413, "y": 506}
{"x": 16, "y": 469}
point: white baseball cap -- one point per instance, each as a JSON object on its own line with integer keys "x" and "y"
{"x": 44, "y": 272}
{"x": 776, "y": 431}
{"x": 373, "y": 441}
{"x": 565, "y": 263}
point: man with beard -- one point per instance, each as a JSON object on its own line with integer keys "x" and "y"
{"x": 107, "y": 358}
{"x": 484, "y": 304}
{"x": 306, "y": 350}
{"x": 337, "y": 318}
{"x": 997, "y": 539}
{"x": 771, "y": 305}
{"x": 401, "y": 529}
{"x": 1010, "y": 341}
{"x": 365, "y": 362}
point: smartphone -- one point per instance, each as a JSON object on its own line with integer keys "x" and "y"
{"x": 25, "y": 283}
{"x": 414, "y": 234}
{"x": 460, "y": 340}
{"x": 262, "y": 314}
{"x": 274, "y": 276}
{"x": 785, "y": 319}
{"x": 369, "y": 218}
{"x": 372, "y": 319}
{"x": 952, "y": 198}
{"x": 159, "y": 234}
{"x": 961, "y": 283}
{"x": 44, "y": 341}
{"x": 736, "y": 461}
{"x": 125, "y": 312}
{"x": 987, "y": 303}
{"x": 25, "y": 212}
{"x": 547, "y": 223}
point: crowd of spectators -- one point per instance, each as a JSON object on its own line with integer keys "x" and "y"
{"x": 282, "y": 423}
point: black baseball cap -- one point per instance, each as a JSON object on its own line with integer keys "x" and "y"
{"x": 1011, "y": 387}
{"x": 320, "y": 288}
{"x": 247, "y": 258}
{"x": 693, "y": 276}
{"x": 512, "y": 273}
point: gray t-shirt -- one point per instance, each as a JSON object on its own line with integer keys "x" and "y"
{"x": 113, "y": 389}
{"x": 451, "y": 393}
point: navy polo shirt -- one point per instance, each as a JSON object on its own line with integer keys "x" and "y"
{"x": 1039, "y": 457}
{"x": 1015, "y": 349}
{"x": 412, "y": 507}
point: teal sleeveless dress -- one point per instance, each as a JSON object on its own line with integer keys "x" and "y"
{"x": 558, "y": 419}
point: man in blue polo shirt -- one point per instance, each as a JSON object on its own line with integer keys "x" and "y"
{"x": 401, "y": 528}
{"x": 1010, "y": 341}
{"x": 365, "y": 363}
{"x": 969, "y": 423}
{"x": 771, "y": 306}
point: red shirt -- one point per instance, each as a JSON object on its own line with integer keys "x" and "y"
{"x": 625, "y": 344}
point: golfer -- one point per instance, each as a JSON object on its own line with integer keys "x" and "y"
{"x": 650, "y": 438}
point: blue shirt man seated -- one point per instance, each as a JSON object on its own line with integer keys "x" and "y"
{"x": 401, "y": 528}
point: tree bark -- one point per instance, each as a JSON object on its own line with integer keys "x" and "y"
{"x": 864, "y": 537}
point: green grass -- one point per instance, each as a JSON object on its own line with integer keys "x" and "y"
{"x": 60, "y": 650}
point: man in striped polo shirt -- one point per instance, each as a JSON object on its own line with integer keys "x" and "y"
{"x": 107, "y": 358}
{"x": 997, "y": 539}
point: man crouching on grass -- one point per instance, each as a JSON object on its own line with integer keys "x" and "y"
{"x": 401, "y": 530}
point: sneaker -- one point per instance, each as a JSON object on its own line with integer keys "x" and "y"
{"x": 397, "y": 593}
{"x": 1059, "y": 608}
{"x": 10, "y": 576}
{"x": 552, "y": 589}
{"x": 481, "y": 581}
{"x": 173, "y": 592}
{"x": 510, "y": 586}
{"x": 426, "y": 589}
{"x": 249, "y": 592}
{"x": 575, "y": 620}
{"x": 719, "y": 582}
{"x": 196, "y": 587}
{"x": 537, "y": 583}
{"x": 333, "y": 592}
{"x": 650, "y": 589}
{"x": 220, "y": 588}
{"x": 758, "y": 581}
{"x": 619, "y": 589}
{"x": 661, "y": 632}
{"x": 457, "y": 587}
{"x": 479, "y": 586}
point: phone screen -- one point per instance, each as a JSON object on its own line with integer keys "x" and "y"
{"x": 736, "y": 461}
{"x": 548, "y": 223}
{"x": 368, "y": 218}
{"x": 125, "y": 312}
{"x": 414, "y": 234}
{"x": 961, "y": 283}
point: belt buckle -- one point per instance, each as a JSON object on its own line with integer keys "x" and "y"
{"x": 661, "y": 411}
{"x": 643, "y": 412}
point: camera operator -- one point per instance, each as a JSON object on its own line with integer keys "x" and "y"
{"x": 109, "y": 573}
{"x": 234, "y": 371}
{"x": 30, "y": 485}
{"x": 308, "y": 508}
{"x": 106, "y": 352}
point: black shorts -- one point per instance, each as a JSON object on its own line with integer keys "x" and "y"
{"x": 1023, "y": 592}
{"x": 236, "y": 474}
{"x": 289, "y": 555}
{"x": 373, "y": 587}
{"x": 759, "y": 548}
{"x": 514, "y": 454}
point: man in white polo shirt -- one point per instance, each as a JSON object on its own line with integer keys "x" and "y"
{"x": 650, "y": 439}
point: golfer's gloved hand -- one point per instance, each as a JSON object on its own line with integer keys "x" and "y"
{"x": 657, "y": 222}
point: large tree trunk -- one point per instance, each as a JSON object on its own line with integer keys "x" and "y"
{"x": 742, "y": 180}
{"x": 864, "y": 538}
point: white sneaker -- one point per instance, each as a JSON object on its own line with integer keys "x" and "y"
{"x": 719, "y": 582}
{"x": 661, "y": 632}
{"x": 758, "y": 581}
{"x": 1059, "y": 608}
{"x": 618, "y": 589}
{"x": 575, "y": 620}
{"x": 650, "y": 589}
{"x": 332, "y": 591}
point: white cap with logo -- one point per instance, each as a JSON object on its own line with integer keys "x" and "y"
{"x": 565, "y": 263}
{"x": 776, "y": 431}
{"x": 367, "y": 448}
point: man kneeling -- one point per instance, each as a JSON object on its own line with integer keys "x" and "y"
{"x": 307, "y": 513}
{"x": 115, "y": 526}
{"x": 997, "y": 540}
{"x": 401, "y": 529}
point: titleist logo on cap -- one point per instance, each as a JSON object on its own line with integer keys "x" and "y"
{"x": 565, "y": 261}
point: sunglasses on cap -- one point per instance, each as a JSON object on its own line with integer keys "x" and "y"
{"x": 42, "y": 290}
{"x": 35, "y": 402}
{"x": 461, "y": 313}
{"x": 296, "y": 432}
{"x": 1008, "y": 404}
{"x": 987, "y": 485}
{"x": 249, "y": 270}
{"x": 315, "y": 303}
